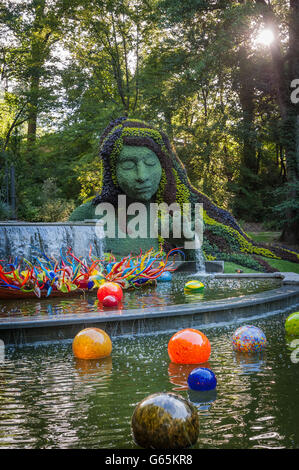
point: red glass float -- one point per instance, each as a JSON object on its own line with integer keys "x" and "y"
{"x": 110, "y": 288}
{"x": 110, "y": 301}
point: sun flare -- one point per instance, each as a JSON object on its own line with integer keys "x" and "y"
{"x": 265, "y": 37}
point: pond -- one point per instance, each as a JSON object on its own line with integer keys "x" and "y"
{"x": 166, "y": 293}
{"x": 49, "y": 399}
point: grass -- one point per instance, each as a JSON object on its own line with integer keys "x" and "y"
{"x": 264, "y": 237}
{"x": 230, "y": 267}
{"x": 282, "y": 266}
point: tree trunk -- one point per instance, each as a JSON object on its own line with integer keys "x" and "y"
{"x": 246, "y": 96}
{"x": 37, "y": 58}
{"x": 244, "y": 204}
{"x": 290, "y": 232}
{"x": 33, "y": 103}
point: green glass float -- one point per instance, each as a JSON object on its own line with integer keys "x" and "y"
{"x": 292, "y": 324}
{"x": 193, "y": 286}
{"x": 165, "y": 421}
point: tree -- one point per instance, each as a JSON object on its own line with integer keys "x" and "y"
{"x": 109, "y": 40}
{"x": 34, "y": 27}
{"x": 285, "y": 65}
{"x": 234, "y": 24}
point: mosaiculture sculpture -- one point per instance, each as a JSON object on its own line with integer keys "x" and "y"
{"x": 138, "y": 162}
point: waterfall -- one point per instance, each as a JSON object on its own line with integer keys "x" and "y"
{"x": 200, "y": 262}
{"x": 199, "y": 257}
{"x": 24, "y": 239}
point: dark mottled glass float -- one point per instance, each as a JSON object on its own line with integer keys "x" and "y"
{"x": 165, "y": 421}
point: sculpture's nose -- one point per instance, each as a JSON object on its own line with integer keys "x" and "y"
{"x": 142, "y": 173}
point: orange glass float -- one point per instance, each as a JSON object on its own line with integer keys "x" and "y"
{"x": 189, "y": 346}
{"x": 110, "y": 288}
{"x": 92, "y": 343}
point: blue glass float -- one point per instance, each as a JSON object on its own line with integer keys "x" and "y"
{"x": 249, "y": 338}
{"x": 165, "y": 277}
{"x": 202, "y": 379}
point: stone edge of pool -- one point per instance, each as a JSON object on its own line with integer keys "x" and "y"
{"x": 160, "y": 319}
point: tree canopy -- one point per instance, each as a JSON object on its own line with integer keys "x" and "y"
{"x": 220, "y": 77}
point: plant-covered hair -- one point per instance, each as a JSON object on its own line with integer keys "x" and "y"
{"x": 134, "y": 132}
{"x": 174, "y": 187}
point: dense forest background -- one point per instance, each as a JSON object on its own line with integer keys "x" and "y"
{"x": 220, "y": 77}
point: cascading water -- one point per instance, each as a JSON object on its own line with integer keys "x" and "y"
{"x": 200, "y": 262}
{"x": 199, "y": 257}
{"x": 25, "y": 240}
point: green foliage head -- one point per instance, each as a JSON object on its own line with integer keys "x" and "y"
{"x": 138, "y": 172}
{"x": 137, "y": 160}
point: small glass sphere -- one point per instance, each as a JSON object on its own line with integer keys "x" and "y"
{"x": 92, "y": 343}
{"x": 165, "y": 277}
{"x": 292, "y": 324}
{"x": 110, "y": 288}
{"x": 202, "y": 379}
{"x": 189, "y": 346}
{"x": 249, "y": 338}
{"x": 165, "y": 421}
{"x": 193, "y": 286}
{"x": 110, "y": 301}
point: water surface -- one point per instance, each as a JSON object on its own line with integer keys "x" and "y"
{"x": 48, "y": 399}
{"x": 166, "y": 293}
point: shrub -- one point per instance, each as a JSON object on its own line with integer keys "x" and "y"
{"x": 56, "y": 210}
{"x": 273, "y": 225}
{"x": 242, "y": 260}
{"x": 287, "y": 204}
{"x": 5, "y": 211}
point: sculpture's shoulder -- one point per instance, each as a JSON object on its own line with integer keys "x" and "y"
{"x": 85, "y": 211}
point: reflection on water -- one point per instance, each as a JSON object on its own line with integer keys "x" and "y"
{"x": 202, "y": 400}
{"x": 164, "y": 294}
{"x": 250, "y": 362}
{"x": 48, "y": 399}
{"x": 179, "y": 373}
{"x": 97, "y": 368}
{"x": 292, "y": 342}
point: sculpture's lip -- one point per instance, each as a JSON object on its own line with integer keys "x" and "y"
{"x": 143, "y": 188}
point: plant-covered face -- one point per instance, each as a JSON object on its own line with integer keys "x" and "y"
{"x": 138, "y": 172}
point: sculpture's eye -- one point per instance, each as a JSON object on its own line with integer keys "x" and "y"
{"x": 127, "y": 165}
{"x": 150, "y": 161}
